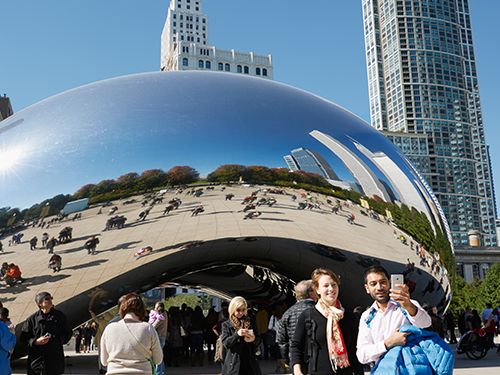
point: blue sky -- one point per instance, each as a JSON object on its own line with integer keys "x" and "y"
{"x": 53, "y": 46}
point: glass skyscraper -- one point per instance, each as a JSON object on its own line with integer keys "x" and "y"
{"x": 422, "y": 79}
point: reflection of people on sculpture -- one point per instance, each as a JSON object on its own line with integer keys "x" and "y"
{"x": 191, "y": 244}
{"x": 197, "y": 210}
{"x": 91, "y": 245}
{"x": 102, "y": 321}
{"x": 144, "y": 251}
{"x": 169, "y": 208}
{"x": 252, "y": 215}
{"x": 13, "y": 275}
{"x": 33, "y": 243}
{"x": 249, "y": 207}
{"x": 246, "y": 239}
{"x": 350, "y": 219}
{"x": 144, "y": 214}
{"x": 55, "y": 262}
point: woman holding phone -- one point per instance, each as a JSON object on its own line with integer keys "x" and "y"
{"x": 241, "y": 339}
{"x": 325, "y": 338}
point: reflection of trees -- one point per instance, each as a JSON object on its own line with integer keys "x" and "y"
{"x": 55, "y": 204}
{"x": 259, "y": 174}
{"x": 227, "y": 173}
{"x": 418, "y": 226}
{"x": 182, "y": 175}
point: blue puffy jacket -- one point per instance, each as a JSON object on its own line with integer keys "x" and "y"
{"x": 425, "y": 353}
{"x": 7, "y": 342}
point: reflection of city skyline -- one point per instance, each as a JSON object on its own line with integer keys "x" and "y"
{"x": 408, "y": 191}
{"x": 357, "y": 167}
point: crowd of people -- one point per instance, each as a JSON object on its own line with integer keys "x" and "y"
{"x": 316, "y": 335}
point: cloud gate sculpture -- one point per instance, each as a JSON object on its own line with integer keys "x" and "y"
{"x": 204, "y": 120}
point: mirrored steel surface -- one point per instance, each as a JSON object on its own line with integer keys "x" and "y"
{"x": 204, "y": 120}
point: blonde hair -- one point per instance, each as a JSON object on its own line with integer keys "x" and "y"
{"x": 235, "y": 303}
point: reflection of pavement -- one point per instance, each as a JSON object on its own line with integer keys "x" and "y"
{"x": 81, "y": 272}
{"x": 86, "y": 364}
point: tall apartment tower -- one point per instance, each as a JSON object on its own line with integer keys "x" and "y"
{"x": 422, "y": 80}
{"x": 5, "y": 107}
{"x": 185, "y": 45}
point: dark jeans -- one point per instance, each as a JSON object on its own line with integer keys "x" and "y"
{"x": 263, "y": 338}
{"x": 197, "y": 343}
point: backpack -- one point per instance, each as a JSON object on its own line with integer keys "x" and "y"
{"x": 311, "y": 351}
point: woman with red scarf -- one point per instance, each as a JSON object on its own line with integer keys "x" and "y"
{"x": 325, "y": 338}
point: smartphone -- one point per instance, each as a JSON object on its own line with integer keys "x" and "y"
{"x": 250, "y": 332}
{"x": 47, "y": 334}
{"x": 396, "y": 279}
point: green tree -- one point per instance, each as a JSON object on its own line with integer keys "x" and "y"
{"x": 490, "y": 291}
{"x": 127, "y": 181}
{"x": 283, "y": 174}
{"x": 191, "y": 300}
{"x": 258, "y": 173}
{"x": 227, "y": 173}
{"x": 152, "y": 178}
{"x": 103, "y": 187}
{"x": 182, "y": 175}
{"x": 83, "y": 192}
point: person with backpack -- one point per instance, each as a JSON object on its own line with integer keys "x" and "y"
{"x": 325, "y": 336}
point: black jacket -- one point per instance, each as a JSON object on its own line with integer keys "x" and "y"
{"x": 49, "y": 358}
{"x": 287, "y": 327}
{"x": 319, "y": 362}
{"x": 238, "y": 348}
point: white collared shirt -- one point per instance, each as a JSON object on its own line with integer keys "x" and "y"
{"x": 376, "y": 325}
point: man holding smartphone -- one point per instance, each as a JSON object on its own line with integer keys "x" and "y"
{"x": 379, "y": 325}
{"x": 45, "y": 332}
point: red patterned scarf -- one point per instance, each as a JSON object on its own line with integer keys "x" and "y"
{"x": 336, "y": 347}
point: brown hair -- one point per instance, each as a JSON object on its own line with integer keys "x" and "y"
{"x": 318, "y": 272}
{"x": 132, "y": 303}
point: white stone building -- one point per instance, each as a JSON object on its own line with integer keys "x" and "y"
{"x": 185, "y": 45}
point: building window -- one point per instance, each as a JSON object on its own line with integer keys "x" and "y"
{"x": 257, "y": 71}
{"x": 198, "y": 40}
{"x": 220, "y": 66}
{"x": 207, "y": 65}
{"x": 246, "y": 69}
{"x": 204, "y": 20}
{"x": 185, "y": 62}
{"x": 182, "y": 37}
{"x": 264, "y": 72}
{"x": 175, "y": 23}
{"x": 200, "y": 64}
{"x": 228, "y": 68}
{"x": 238, "y": 69}
{"x": 181, "y": 17}
{"x": 175, "y": 16}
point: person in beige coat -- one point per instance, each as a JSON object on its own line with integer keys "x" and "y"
{"x": 131, "y": 346}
